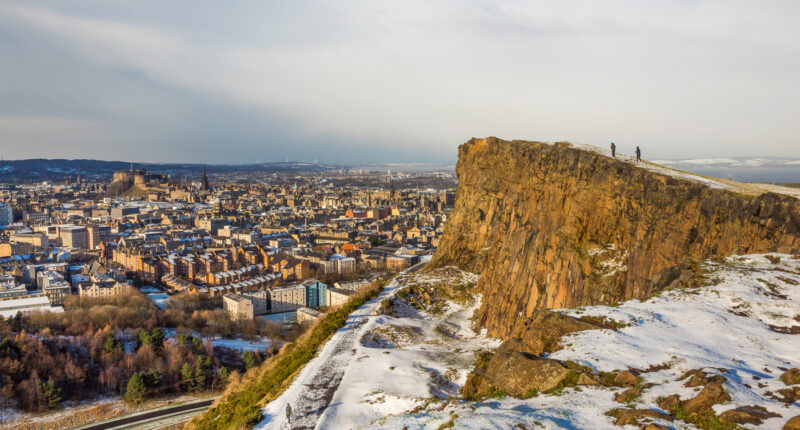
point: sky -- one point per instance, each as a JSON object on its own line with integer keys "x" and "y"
{"x": 403, "y": 81}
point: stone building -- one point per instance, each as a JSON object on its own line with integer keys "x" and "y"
{"x": 288, "y": 299}
{"x": 247, "y": 305}
{"x": 102, "y": 289}
{"x": 73, "y": 236}
{"x": 237, "y": 306}
{"x": 338, "y": 297}
{"x": 308, "y": 315}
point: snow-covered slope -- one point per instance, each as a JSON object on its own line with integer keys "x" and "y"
{"x": 405, "y": 371}
{"x": 379, "y": 365}
{"x": 735, "y": 325}
{"x": 672, "y": 168}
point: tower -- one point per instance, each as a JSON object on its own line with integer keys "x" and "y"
{"x": 205, "y": 178}
{"x": 79, "y": 177}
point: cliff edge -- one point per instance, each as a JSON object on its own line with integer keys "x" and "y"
{"x": 555, "y": 225}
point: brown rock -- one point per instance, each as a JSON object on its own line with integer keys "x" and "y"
{"x": 670, "y": 403}
{"x": 543, "y": 330}
{"x": 655, "y": 427}
{"x": 527, "y": 214}
{"x": 747, "y": 415}
{"x": 538, "y": 335}
{"x": 791, "y": 377}
{"x": 698, "y": 378}
{"x": 792, "y": 424}
{"x": 632, "y": 416}
{"x": 588, "y": 379}
{"x": 789, "y": 395}
{"x": 627, "y": 395}
{"x": 515, "y": 373}
{"x": 711, "y": 394}
{"x": 626, "y": 379}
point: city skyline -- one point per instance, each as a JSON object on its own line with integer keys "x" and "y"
{"x": 362, "y": 82}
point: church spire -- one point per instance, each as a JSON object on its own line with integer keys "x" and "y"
{"x": 205, "y": 178}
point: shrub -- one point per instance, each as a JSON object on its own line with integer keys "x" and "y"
{"x": 134, "y": 393}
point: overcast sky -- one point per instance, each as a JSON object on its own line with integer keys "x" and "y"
{"x": 237, "y": 82}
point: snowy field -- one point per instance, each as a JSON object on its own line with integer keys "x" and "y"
{"x": 733, "y": 328}
{"x": 405, "y": 372}
{"x": 360, "y": 377}
{"x": 256, "y": 344}
{"x": 395, "y": 370}
{"x": 243, "y": 344}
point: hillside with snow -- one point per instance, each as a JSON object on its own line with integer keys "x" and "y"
{"x": 407, "y": 354}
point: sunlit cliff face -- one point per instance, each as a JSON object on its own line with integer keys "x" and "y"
{"x": 551, "y": 226}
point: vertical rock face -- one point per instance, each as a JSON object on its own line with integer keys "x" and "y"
{"x": 552, "y": 226}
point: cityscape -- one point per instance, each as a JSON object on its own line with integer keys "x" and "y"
{"x": 399, "y": 215}
{"x": 267, "y": 248}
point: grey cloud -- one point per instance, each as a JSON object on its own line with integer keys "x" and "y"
{"x": 394, "y": 81}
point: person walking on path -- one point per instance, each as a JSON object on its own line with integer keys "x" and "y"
{"x": 288, "y": 412}
{"x": 613, "y": 150}
{"x": 638, "y": 154}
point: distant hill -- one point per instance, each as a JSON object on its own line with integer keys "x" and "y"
{"x": 40, "y": 169}
{"x": 748, "y": 162}
{"x": 742, "y": 169}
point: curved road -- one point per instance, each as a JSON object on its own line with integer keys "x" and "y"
{"x": 134, "y": 421}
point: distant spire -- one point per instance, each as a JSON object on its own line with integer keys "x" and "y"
{"x": 205, "y": 178}
{"x": 79, "y": 176}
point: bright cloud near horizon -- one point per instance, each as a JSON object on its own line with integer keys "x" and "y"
{"x": 370, "y": 81}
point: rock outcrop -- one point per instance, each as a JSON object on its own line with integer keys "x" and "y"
{"x": 518, "y": 374}
{"x": 552, "y": 226}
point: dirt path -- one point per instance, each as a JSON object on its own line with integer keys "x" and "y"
{"x": 318, "y": 392}
{"x": 312, "y": 391}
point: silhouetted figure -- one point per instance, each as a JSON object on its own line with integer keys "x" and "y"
{"x": 613, "y": 150}
{"x": 288, "y": 412}
{"x": 638, "y": 154}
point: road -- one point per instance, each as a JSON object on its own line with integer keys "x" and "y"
{"x": 152, "y": 419}
{"x": 316, "y": 384}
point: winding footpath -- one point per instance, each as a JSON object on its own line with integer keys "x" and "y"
{"x": 311, "y": 392}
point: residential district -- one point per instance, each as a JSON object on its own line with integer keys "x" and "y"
{"x": 265, "y": 243}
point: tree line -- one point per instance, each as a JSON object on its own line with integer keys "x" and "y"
{"x": 119, "y": 346}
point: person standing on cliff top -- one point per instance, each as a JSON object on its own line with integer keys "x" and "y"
{"x": 638, "y": 154}
{"x": 613, "y": 150}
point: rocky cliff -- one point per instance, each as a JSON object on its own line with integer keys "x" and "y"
{"x": 552, "y": 226}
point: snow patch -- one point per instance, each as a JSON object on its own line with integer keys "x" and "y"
{"x": 675, "y": 332}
